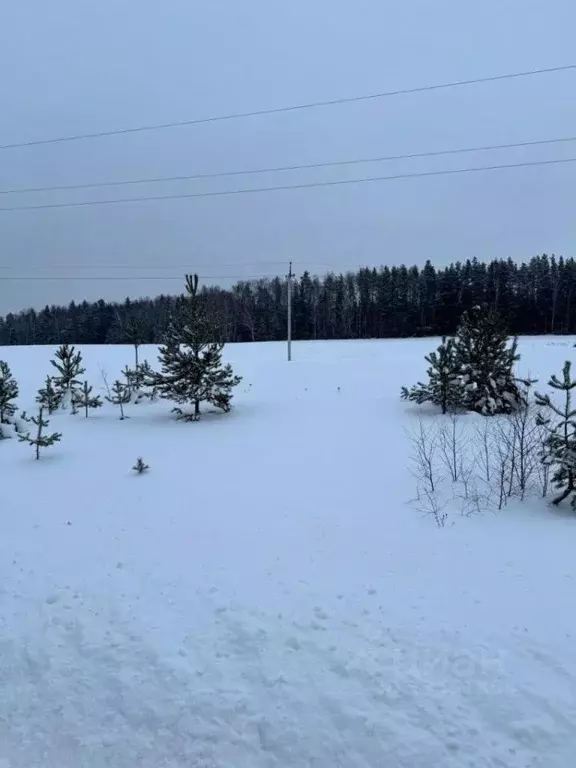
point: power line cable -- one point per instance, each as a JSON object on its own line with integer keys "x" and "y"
{"x": 150, "y": 266}
{"x": 122, "y": 278}
{"x": 290, "y": 108}
{"x": 309, "y": 185}
{"x": 305, "y": 264}
{"x": 282, "y": 168}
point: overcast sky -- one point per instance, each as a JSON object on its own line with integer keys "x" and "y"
{"x": 73, "y": 67}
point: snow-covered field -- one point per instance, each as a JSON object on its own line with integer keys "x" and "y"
{"x": 264, "y": 596}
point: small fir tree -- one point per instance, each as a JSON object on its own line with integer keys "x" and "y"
{"x": 83, "y": 398}
{"x": 135, "y": 379}
{"x": 140, "y": 382}
{"x": 444, "y": 387}
{"x": 119, "y": 395}
{"x": 39, "y": 440}
{"x": 68, "y": 363}
{"x": 559, "y": 448}
{"x": 486, "y": 364}
{"x": 145, "y": 381}
{"x": 48, "y": 396}
{"x": 132, "y": 379}
{"x": 8, "y": 393}
{"x": 140, "y": 467}
{"x": 191, "y": 359}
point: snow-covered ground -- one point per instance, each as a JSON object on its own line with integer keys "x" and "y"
{"x": 264, "y": 596}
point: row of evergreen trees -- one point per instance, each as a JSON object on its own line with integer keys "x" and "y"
{"x": 192, "y": 372}
{"x": 537, "y": 297}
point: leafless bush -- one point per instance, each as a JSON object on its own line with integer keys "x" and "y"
{"x": 499, "y": 459}
{"x": 482, "y": 449}
{"x": 452, "y": 445}
{"x": 480, "y": 492}
{"x": 503, "y": 461}
{"x": 429, "y": 503}
{"x": 424, "y": 443}
{"x": 455, "y": 455}
{"x": 543, "y": 469}
{"x": 104, "y": 376}
{"x": 507, "y": 453}
{"x": 522, "y": 437}
{"x": 470, "y": 492}
{"x": 473, "y": 487}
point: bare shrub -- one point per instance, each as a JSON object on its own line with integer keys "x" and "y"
{"x": 483, "y": 459}
{"x": 486, "y": 465}
{"x": 104, "y": 376}
{"x": 523, "y": 438}
{"x": 452, "y": 444}
{"x": 470, "y": 492}
{"x": 503, "y": 462}
{"x": 424, "y": 442}
{"x": 543, "y": 467}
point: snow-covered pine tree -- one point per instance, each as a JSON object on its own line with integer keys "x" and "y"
{"x": 49, "y": 396}
{"x": 191, "y": 359}
{"x": 119, "y": 395}
{"x": 486, "y": 363}
{"x": 39, "y": 440}
{"x": 142, "y": 382}
{"x": 140, "y": 467}
{"x": 147, "y": 388}
{"x": 559, "y": 448}
{"x": 68, "y": 363}
{"x": 8, "y": 393}
{"x": 135, "y": 379}
{"x": 444, "y": 387}
{"x": 83, "y": 398}
{"x": 131, "y": 379}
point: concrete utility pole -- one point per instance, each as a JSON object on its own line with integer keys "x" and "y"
{"x": 289, "y": 299}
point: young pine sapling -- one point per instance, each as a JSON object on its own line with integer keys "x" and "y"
{"x": 68, "y": 363}
{"x": 49, "y": 396}
{"x": 8, "y": 393}
{"x": 39, "y": 440}
{"x": 145, "y": 382}
{"x": 559, "y": 447}
{"x": 192, "y": 368}
{"x": 486, "y": 363}
{"x": 140, "y": 467}
{"x": 119, "y": 395}
{"x": 83, "y": 398}
{"x": 444, "y": 387}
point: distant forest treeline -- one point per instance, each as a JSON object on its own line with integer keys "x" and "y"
{"x": 537, "y": 297}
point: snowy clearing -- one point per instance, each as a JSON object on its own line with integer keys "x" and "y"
{"x": 264, "y": 595}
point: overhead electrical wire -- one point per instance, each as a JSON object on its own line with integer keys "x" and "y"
{"x": 195, "y": 265}
{"x": 289, "y": 108}
{"x": 287, "y": 187}
{"x": 122, "y": 278}
{"x": 306, "y": 265}
{"x": 283, "y": 168}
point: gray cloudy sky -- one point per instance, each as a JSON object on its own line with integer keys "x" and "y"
{"x": 73, "y": 67}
